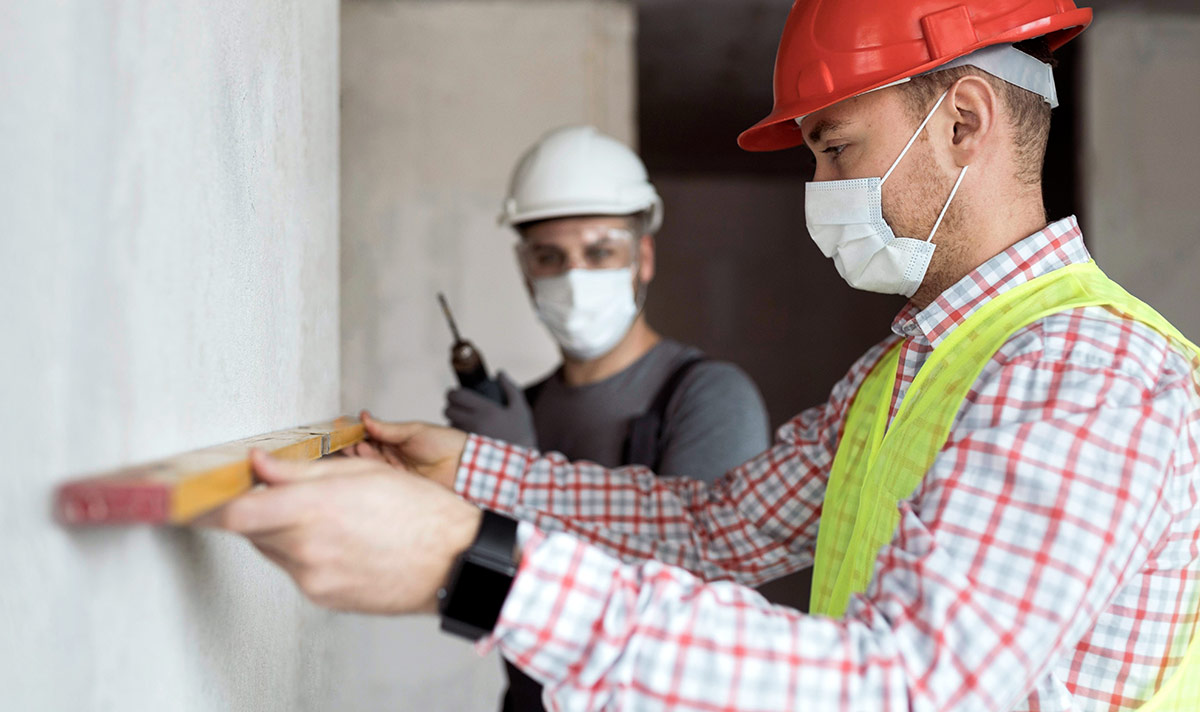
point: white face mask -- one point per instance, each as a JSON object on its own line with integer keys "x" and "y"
{"x": 845, "y": 219}
{"x": 588, "y": 311}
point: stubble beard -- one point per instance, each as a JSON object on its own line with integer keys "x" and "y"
{"x": 916, "y": 210}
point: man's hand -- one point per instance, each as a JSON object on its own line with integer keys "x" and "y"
{"x": 354, "y": 533}
{"x": 476, "y": 413}
{"x": 431, "y": 451}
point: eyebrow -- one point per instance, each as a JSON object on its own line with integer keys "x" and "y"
{"x": 814, "y": 136}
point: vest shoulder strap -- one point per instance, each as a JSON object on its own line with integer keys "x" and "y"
{"x": 644, "y": 441}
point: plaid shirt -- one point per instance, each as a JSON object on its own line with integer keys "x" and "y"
{"x": 1049, "y": 560}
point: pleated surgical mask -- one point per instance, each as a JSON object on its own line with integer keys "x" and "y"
{"x": 845, "y": 219}
{"x": 588, "y": 311}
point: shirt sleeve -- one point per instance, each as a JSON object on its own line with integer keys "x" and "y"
{"x": 716, "y": 421}
{"x": 733, "y": 528}
{"x": 754, "y": 524}
{"x": 1045, "y": 500}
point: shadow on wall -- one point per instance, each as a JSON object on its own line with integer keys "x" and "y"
{"x": 738, "y": 275}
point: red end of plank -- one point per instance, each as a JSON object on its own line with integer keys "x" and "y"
{"x": 108, "y": 501}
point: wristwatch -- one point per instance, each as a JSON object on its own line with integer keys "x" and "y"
{"x": 474, "y": 593}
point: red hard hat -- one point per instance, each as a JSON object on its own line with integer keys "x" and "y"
{"x": 836, "y": 49}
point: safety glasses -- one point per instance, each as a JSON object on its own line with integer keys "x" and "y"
{"x": 551, "y": 256}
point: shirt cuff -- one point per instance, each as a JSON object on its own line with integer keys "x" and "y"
{"x": 561, "y": 590}
{"x": 490, "y": 473}
{"x": 525, "y": 532}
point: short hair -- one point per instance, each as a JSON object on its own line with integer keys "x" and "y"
{"x": 1028, "y": 113}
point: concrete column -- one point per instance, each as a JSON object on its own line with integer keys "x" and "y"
{"x": 168, "y": 274}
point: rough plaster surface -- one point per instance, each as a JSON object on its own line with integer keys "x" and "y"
{"x": 438, "y": 101}
{"x": 1142, "y": 156}
{"x": 169, "y": 278}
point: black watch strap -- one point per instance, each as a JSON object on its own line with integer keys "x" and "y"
{"x": 479, "y": 582}
{"x": 497, "y": 537}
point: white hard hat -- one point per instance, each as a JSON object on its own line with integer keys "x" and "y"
{"x": 576, "y": 170}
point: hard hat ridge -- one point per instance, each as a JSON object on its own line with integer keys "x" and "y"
{"x": 1003, "y": 62}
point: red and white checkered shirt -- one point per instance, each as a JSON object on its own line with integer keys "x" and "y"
{"x": 1049, "y": 560}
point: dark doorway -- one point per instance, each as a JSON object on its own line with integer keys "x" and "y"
{"x": 738, "y": 275}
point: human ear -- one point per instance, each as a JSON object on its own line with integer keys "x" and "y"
{"x": 973, "y": 104}
{"x": 645, "y": 259}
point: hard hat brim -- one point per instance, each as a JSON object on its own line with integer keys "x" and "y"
{"x": 574, "y": 210}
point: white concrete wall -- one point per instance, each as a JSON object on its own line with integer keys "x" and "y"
{"x": 438, "y": 101}
{"x": 1142, "y": 159}
{"x": 168, "y": 276}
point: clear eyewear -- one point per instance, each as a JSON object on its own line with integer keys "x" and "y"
{"x": 609, "y": 248}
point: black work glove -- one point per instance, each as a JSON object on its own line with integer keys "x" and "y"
{"x": 475, "y": 413}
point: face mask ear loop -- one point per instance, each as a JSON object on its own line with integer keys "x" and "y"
{"x": 961, "y": 174}
{"x": 915, "y": 136}
{"x": 639, "y": 292}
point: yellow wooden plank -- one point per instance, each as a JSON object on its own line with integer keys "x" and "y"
{"x": 342, "y": 432}
{"x": 177, "y": 489}
{"x": 201, "y": 489}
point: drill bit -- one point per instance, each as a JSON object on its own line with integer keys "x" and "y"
{"x": 449, "y": 317}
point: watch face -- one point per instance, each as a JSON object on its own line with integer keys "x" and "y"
{"x": 479, "y": 594}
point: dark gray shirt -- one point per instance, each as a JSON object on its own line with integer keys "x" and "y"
{"x": 715, "y": 420}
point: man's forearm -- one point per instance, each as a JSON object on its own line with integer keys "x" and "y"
{"x": 603, "y": 635}
{"x": 717, "y": 531}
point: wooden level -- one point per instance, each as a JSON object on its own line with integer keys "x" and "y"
{"x": 177, "y": 489}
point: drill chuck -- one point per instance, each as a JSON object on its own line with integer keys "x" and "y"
{"x": 468, "y": 363}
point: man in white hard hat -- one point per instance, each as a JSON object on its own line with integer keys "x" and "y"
{"x": 586, "y": 213}
{"x": 1001, "y": 499}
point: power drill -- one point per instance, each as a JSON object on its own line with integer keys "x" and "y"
{"x": 468, "y": 363}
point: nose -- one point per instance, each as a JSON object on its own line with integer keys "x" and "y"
{"x": 576, "y": 260}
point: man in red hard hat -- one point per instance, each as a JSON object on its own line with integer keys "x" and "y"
{"x": 1001, "y": 500}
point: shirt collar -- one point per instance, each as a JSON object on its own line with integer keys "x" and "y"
{"x": 1057, "y": 245}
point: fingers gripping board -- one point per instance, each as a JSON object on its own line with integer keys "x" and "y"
{"x": 177, "y": 489}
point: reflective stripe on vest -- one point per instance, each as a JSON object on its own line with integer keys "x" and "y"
{"x": 877, "y": 466}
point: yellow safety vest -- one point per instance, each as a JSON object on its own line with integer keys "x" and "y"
{"x": 877, "y": 466}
